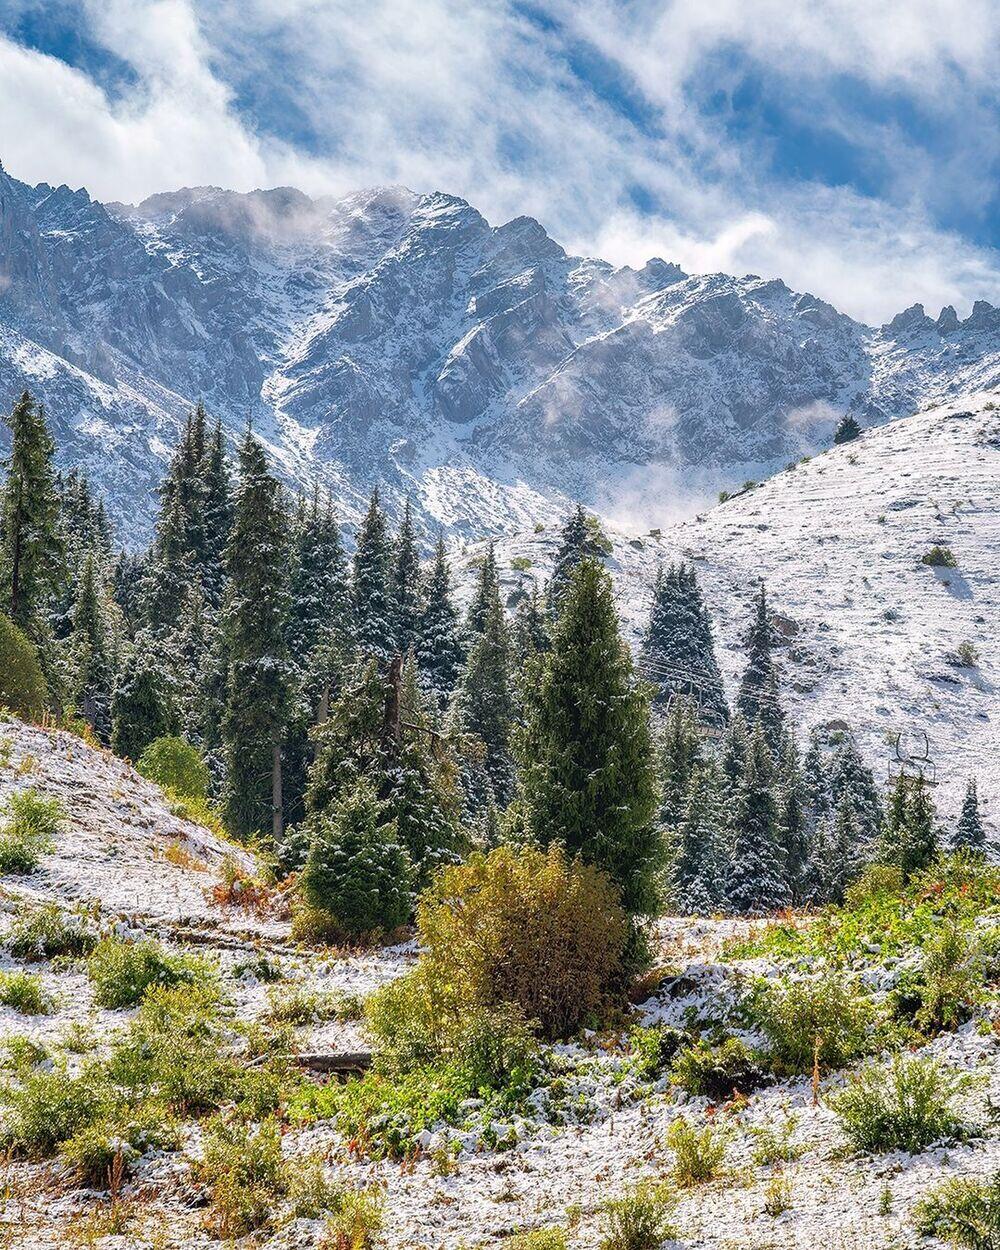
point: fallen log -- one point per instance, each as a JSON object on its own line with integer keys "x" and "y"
{"x": 344, "y": 1063}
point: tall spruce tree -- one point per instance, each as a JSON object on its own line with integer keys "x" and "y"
{"x": 319, "y": 591}
{"x": 851, "y": 780}
{"x": 483, "y": 709}
{"x": 31, "y": 554}
{"x": 438, "y": 647}
{"x": 581, "y": 539}
{"x": 486, "y": 593}
{"x": 216, "y": 518}
{"x": 909, "y": 840}
{"x": 758, "y": 698}
{"x": 586, "y": 749}
{"x": 816, "y": 781}
{"x": 374, "y": 632}
{"x": 531, "y": 628}
{"x": 91, "y": 650}
{"x": 406, "y": 587}
{"x": 259, "y": 668}
{"x": 758, "y": 879}
{"x": 142, "y": 707}
{"x": 969, "y": 833}
{"x": 793, "y": 822}
{"x": 679, "y": 755}
{"x": 678, "y": 651}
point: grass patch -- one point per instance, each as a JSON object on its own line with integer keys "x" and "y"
{"x": 639, "y": 1220}
{"x": 31, "y": 822}
{"x": 49, "y": 932}
{"x": 964, "y": 1211}
{"x": 699, "y": 1154}
{"x": 24, "y": 993}
{"x": 122, "y": 972}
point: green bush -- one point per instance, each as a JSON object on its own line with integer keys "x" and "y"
{"x": 653, "y": 1049}
{"x": 24, "y": 993}
{"x": 905, "y": 1106}
{"x": 822, "y": 1017}
{"x": 22, "y": 686}
{"x": 698, "y": 1153}
{"x": 310, "y": 1194}
{"x": 951, "y": 982}
{"x": 551, "y": 1238}
{"x": 30, "y": 825}
{"x": 638, "y": 1220}
{"x": 940, "y": 557}
{"x": 965, "y": 1212}
{"x": 48, "y": 1107}
{"x": 356, "y": 871}
{"x": 877, "y": 881}
{"x": 719, "y": 1072}
{"x": 176, "y": 766}
{"x": 774, "y": 1145}
{"x": 527, "y": 927}
{"x": 92, "y": 1152}
{"x": 121, "y": 972}
{"x": 49, "y": 932}
{"x": 243, "y": 1170}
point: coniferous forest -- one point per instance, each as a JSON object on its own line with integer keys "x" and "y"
{"x": 363, "y": 732}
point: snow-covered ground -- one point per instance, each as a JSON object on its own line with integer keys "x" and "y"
{"x": 869, "y": 633}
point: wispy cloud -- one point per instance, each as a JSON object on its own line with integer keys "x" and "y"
{"x": 614, "y": 123}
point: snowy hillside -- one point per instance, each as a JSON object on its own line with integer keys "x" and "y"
{"x": 870, "y": 634}
{"x": 400, "y": 338}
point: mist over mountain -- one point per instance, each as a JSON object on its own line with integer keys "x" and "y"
{"x": 396, "y": 338}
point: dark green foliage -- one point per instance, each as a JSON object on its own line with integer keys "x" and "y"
{"x": 719, "y": 1072}
{"x": 909, "y": 840}
{"x": 678, "y": 651}
{"x": 142, "y": 709}
{"x": 487, "y": 593}
{"x": 483, "y": 709}
{"x": 847, "y": 431}
{"x": 31, "y": 555}
{"x": 438, "y": 647}
{"x": 793, "y": 829}
{"x": 905, "y": 1106}
{"x": 22, "y": 684}
{"x": 679, "y": 755}
{"x": 581, "y": 539}
{"x": 758, "y": 698}
{"x": 319, "y": 593}
{"x": 700, "y": 868}
{"x": 91, "y": 649}
{"x": 757, "y": 874}
{"x": 356, "y": 870}
{"x": 374, "y": 631}
{"x": 940, "y": 557}
{"x": 405, "y": 587}
{"x": 834, "y": 857}
{"x": 259, "y": 668}
{"x": 586, "y": 751}
{"x": 531, "y": 626}
{"x": 853, "y": 784}
{"x": 969, "y": 833}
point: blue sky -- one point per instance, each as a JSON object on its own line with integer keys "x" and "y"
{"x": 849, "y": 146}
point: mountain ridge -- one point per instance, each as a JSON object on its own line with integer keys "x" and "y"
{"x": 393, "y": 338}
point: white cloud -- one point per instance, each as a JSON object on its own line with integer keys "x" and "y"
{"x": 472, "y": 98}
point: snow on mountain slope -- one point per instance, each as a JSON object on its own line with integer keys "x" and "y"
{"x": 869, "y": 633}
{"x": 395, "y": 338}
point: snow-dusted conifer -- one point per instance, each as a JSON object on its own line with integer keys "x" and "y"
{"x": 757, "y": 873}
{"x": 374, "y": 634}
{"x": 438, "y": 647}
{"x": 969, "y": 833}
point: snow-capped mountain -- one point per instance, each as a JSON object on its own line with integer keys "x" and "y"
{"x": 400, "y": 338}
{"x": 869, "y": 633}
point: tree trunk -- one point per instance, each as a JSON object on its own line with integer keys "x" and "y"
{"x": 277, "y": 823}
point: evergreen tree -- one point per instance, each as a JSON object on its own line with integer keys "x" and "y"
{"x": 733, "y": 755}
{"x": 699, "y": 870}
{"x": 438, "y": 648}
{"x": 258, "y": 664}
{"x": 678, "y": 651}
{"x": 374, "y": 634}
{"x": 758, "y": 695}
{"x": 908, "y": 838}
{"x": 833, "y": 862}
{"x": 127, "y": 587}
{"x": 586, "y": 750}
{"x": 816, "y": 781}
{"x": 405, "y": 587}
{"x": 530, "y": 634}
{"x": 319, "y": 592}
{"x": 852, "y": 781}
{"x": 141, "y": 707}
{"x": 31, "y": 555}
{"x": 581, "y": 539}
{"x": 356, "y": 869}
{"x": 969, "y": 833}
{"x": 216, "y": 518}
{"x": 847, "y": 431}
{"x": 679, "y": 756}
{"x": 91, "y": 648}
{"x": 793, "y": 826}
{"x": 486, "y": 594}
{"x": 483, "y": 708}
{"x": 757, "y": 872}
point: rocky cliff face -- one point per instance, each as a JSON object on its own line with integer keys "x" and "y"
{"x": 396, "y": 338}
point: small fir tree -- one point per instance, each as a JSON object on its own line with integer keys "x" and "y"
{"x": 969, "y": 833}
{"x": 758, "y": 698}
{"x": 487, "y": 593}
{"x": 699, "y": 869}
{"x": 679, "y": 755}
{"x": 91, "y": 648}
{"x": 847, "y": 431}
{"x": 483, "y": 709}
{"x": 678, "y": 650}
{"x": 438, "y": 647}
{"x": 793, "y": 825}
{"x": 406, "y": 587}
{"x": 141, "y": 707}
{"x": 374, "y": 633}
{"x": 581, "y": 539}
